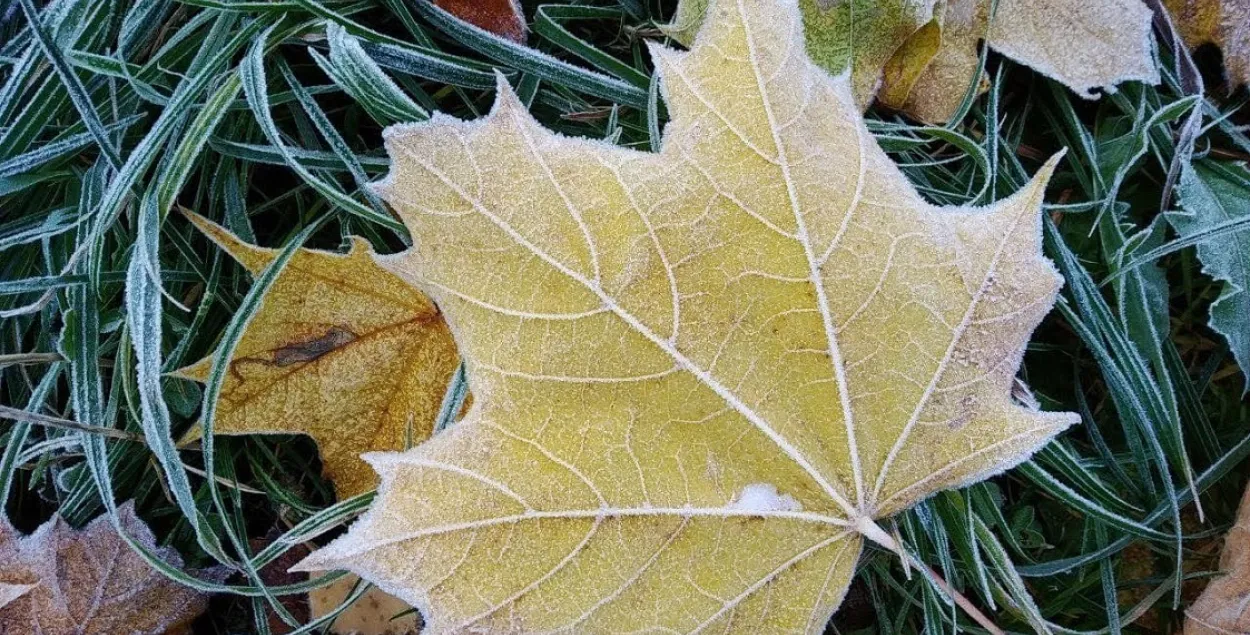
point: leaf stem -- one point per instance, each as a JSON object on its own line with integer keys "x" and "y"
{"x": 869, "y": 528}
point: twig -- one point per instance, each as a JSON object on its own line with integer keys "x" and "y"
{"x": 65, "y": 424}
{"x": 223, "y": 480}
{"x": 959, "y": 598}
{"x": 872, "y": 531}
{"x": 29, "y": 358}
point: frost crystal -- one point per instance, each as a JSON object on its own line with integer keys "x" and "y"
{"x": 764, "y": 497}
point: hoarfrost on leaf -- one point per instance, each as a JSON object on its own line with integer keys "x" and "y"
{"x": 340, "y": 350}
{"x": 764, "y": 497}
{"x": 766, "y": 301}
{"x": 90, "y": 582}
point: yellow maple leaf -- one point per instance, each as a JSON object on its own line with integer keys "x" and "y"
{"x": 340, "y": 350}
{"x": 701, "y": 375}
{"x": 1225, "y": 23}
{"x": 61, "y": 581}
{"x": 1224, "y": 606}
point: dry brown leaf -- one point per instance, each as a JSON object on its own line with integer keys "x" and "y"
{"x": 1225, "y": 23}
{"x": 340, "y": 350}
{"x": 276, "y": 573}
{"x": 1224, "y": 607}
{"x": 374, "y": 613}
{"x": 1085, "y": 45}
{"x": 90, "y": 582}
{"x": 702, "y": 375}
{"x": 501, "y": 17}
{"x": 921, "y": 56}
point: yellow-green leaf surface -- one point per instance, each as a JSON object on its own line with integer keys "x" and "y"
{"x": 1224, "y": 606}
{"x": 341, "y": 350}
{"x": 1225, "y": 23}
{"x": 700, "y": 374}
{"x": 1085, "y": 45}
{"x": 859, "y": 35}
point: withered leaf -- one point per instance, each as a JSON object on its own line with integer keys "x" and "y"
{"x": 1224, "y": 607}
{"x": 921, "y": 56}
{"x": 1087, "y": 46}
{"x": 501, "y": 17}
{"x": 1225, "y": 23}
{"x": 90, "y": 582}
{"x": 373, "y": 613}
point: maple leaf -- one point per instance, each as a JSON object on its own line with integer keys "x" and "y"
{"x": 1225, "y": 23}
{"x": 1224, "y": 606}
{"x": 91, "y": 582}
{"x": 701, "y": 375}
{"x": 340, "y": 350}
{"x": 921, "y": 56}
{"x": 501, "y": 17}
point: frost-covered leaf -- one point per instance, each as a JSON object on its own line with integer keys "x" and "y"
{"x": 860, "y": 35}
{"x": 340, "y": 350}
{"x": 920, "y": 56}
{"x": 1224, "y": 607}
{"x": 373, "y": 613}
{"x": 90, "y": 582}
{"x": 1225, "y": 23}
{"x": 1085, "y": 45}
{"x": 701, "y": 374}
{"x": 11, "y": 592}
{"x": 1214, "y": 195}
{"x": 501, "y": 17}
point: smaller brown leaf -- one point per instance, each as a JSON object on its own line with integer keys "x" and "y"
{"x": 59, "y": 581}
{"x": 501, "y": 17}
{"x": 374, "y": 613}
{"x": 1225, "y": 23}
{"x": 1224, "y": 607}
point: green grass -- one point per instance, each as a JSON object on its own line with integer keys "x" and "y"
{"x": 266, "y": 117}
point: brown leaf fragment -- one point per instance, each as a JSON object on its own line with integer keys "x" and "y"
{"x": 1087, "y": 46}
{"x": 314, "y": 349}
{"x": 374, "y": 613}
{"x": 1224, "y": 607}
{"x": 501, "y": 17}
{"x": 1225, "y": 23}
{"x": 89, "y": 581}
{"x": 276, "y": 574}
